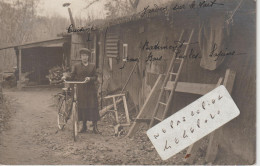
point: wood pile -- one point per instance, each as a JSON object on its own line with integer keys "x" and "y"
{"x": 24, "y": 79}
{"x": 55, "y": 75}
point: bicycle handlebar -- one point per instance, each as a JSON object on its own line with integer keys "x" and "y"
{"x": 76, "y": 82}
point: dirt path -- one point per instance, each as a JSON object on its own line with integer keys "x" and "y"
{"x": 32, "y": 114}
{"x": 32, "y": 138}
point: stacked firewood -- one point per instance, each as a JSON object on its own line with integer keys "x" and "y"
{"x": 55, "y": 75}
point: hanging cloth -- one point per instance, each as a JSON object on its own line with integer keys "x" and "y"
{"x": 213, "y": 35}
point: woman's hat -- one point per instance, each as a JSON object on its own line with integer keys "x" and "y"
{"x": 84, "y": 50}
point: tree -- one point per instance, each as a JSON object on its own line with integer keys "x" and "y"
{"x": 17, "y": 21}
{"x": 117, "y": 8}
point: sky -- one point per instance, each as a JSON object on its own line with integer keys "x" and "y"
{"x": 54, "y": 7}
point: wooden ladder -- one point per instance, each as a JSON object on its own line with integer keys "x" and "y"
{"x": 169, "y": 84}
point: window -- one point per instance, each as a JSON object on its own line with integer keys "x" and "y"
{"x": 125, "y": 48}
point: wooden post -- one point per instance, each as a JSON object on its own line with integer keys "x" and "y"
{"x": 19, "y": 84}
{"x": 95, "y": 50}
{"x": 149, "y": 104}
{"x": 115, "y": 109}
{"x": 126, "y": 109}
{"x": 100, "y": 56}
{"x": 212, "y": 149}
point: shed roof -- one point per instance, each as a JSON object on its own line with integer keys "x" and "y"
{"x": 45, "y": 43}
{"x": 229, "y": 6}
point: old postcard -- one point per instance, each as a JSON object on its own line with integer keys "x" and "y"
{"x": 128, "y": 82}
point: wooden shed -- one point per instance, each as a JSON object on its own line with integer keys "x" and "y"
{"x": 123, "y": 41}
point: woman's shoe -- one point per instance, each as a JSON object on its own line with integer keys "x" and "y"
{"x": 95, "y": 129}
{"x": 83, "y": 129}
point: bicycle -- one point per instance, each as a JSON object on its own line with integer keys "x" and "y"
{"x": 68, "y": 104}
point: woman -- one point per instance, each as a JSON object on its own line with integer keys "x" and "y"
{"x": 87, "y": 93}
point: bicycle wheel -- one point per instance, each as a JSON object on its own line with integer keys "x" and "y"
{"x": 61, "y": 113}
{"x": 75, "y": 121}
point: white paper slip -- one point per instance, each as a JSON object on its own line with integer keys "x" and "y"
{"x": 193, "y": 122}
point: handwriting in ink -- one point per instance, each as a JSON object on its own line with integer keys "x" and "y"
{"x": 198, "y": 111}
{"x": 156, "y": 136}
{"x": 167, "y": 147}
{"x": 191, "y": 130}
{"x": 184, "y": 134}
{"x": 205, "y": 3}
{"x": 150, "y": 47}
{"x": 178, "y": 7}
{"x": 212, "y": 117}
{"x": 129, "y": 60}
{"x": 176, "y": 140}
{"x": 171, "y": 124}
{"x": 151, "y": 58}
{"x": 221, "y": 53}
{"x": 191, "y": 55}
{"x": 71, "y": 29}
{"x": 213, "y": 101}
{"x": 148, "y": 10}
{"x": 219, "y": 97}
{"x": 163, "y": 130}
{"x": 198, "y": 123}
{"x": 203, "y": 105}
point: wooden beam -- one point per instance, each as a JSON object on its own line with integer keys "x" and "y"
{"x": 193, "y": 149}
{"x": 116, "y": 95}
{"x": 19, "y": 84}
{"x": 191, "y": 152}
{"x": 95, "y": 50}
{"x": 100, "y": 57}
{"x": 229, "y": 80}
{"x": 126, "y": 110}
{"x": 193, "y": 88}
{"x": 149, "y": 104}
{"x": 43, "y": 43}
{"x": 212, "y": 149}
{"x": 106, "y": 109}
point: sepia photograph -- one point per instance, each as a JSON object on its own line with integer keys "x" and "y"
{"x": 128, "y": 82}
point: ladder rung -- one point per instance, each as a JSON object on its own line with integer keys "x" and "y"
{"x": 143, "y": 120}
{"x": 158, "y": 119}
{"x": 173, "y": 73}
{"x": 162, "y": 103}
{"x": 177, "y": 59}
{"x": 169, "y": 85}
{"x": 167, "y": 88}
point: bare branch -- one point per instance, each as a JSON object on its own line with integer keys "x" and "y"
{"x": 91, "y": 3}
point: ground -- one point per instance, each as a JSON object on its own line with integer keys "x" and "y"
{"x": 31, "y": 136}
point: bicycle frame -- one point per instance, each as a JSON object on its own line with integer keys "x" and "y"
{"x": 75, "y": 87}
{"x": 74, "y": 105}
